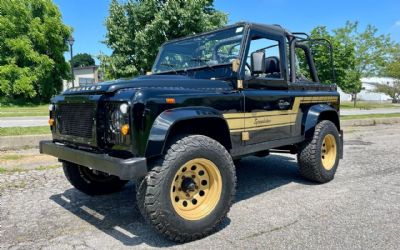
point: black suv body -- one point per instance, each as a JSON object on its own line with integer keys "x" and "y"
{"x": 213, "y": 85}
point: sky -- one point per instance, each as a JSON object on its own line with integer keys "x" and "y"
{"x": 87, "y": 17}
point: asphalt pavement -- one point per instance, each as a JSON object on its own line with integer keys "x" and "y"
{"x": 275, "y": 207}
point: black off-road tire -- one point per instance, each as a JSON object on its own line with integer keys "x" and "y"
{"x": 86, "y": 181}
{"x": 141, "y": 187}
{"x": 153, "y": 194}
{"x": 309, "y": 156}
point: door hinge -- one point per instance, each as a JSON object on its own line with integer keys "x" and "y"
{"x": 245, "y": 136}
{"x": 240, "y": 84}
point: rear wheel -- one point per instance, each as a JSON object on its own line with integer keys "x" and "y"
{"x": 90, "y": 181}
{"x": 319, "y": 158}
{"x": 190, "y": 190}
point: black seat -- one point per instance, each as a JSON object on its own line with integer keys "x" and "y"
{"x": 272, "y": 68}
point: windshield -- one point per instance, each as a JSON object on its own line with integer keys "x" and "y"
{"x": 220, "y": 47}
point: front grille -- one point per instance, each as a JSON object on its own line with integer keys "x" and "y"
{"x": 76, "y": 119}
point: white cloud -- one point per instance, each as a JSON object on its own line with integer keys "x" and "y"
{"x": 397, "y": 23}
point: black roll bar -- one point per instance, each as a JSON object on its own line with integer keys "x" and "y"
{"x": 298, "y": 37}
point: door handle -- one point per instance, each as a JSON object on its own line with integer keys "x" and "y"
{"x": 283, "y": 104}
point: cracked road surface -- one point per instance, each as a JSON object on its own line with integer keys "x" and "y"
{"x": 275, "y": 208}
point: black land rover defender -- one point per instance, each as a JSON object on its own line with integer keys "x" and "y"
{"x": 210, "y": 100}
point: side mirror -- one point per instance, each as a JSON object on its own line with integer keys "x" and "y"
{"x": 258, "y": 62}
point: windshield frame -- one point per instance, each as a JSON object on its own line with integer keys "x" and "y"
{"x": 240, "y": 54}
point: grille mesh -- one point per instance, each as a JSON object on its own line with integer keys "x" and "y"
{"x": 76, "y": 119}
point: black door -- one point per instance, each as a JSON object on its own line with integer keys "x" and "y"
{"x": 269, "y": 110}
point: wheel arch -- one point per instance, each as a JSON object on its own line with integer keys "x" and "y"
{"x": 189, "y": 120}
{"x": 317, "y": 113}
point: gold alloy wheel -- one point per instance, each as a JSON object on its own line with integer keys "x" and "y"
{"x": 196, "y": 189}
{"x": 328, "y": 152}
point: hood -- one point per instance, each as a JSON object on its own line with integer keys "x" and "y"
{"x": 152, "y": 81}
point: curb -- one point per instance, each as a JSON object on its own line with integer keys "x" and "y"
{"x": 15, "y": 142}
{"x": 369, "y": 122}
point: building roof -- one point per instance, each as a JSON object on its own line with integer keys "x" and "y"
{"x": 87, "y": 67}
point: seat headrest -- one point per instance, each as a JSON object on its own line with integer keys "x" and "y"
{"x": 272, "y": 65}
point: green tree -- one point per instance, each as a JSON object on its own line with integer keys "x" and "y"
{"x": 136, "y": 29}
{"x": 371, "y": 49}
{"x": 392, "y": 69}
{"x": 356, "y": 54}
{"x": 347, "y": 78}
{"x": 82, "y": 60}
{"x": 32, "y": 43}
{"x": 392, "y": 90}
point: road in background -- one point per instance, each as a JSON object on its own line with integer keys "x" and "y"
{"x": 25, "y": 121}
{"x": 275, "y": 208}
{"x": 345, "y": 112}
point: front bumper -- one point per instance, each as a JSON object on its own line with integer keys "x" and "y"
{"x": 126, "y": 169}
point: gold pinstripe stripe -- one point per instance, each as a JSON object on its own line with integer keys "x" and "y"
{"x": 259, "y": 128}
{"x": 250, "y": 121}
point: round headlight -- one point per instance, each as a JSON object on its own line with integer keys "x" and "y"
{"x": 117, "y": 120}
{"x": 124, "y": 108}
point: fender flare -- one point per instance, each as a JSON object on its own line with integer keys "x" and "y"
{"x": 312, "y": 116}
{"x": 163, "y": 124}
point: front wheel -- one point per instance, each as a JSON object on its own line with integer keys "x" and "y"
{"x": 190, "y": 190}
{"x": 90, "y": 181}
{"x": 318, "y": 158}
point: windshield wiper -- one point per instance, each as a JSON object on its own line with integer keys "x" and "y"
{"x": 204, "y": 60}
{"x": 199, "y": 59}
{"x": 171, "y": 66}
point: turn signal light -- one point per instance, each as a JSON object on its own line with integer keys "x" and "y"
{"x": 170, "y": 100}
{"x": 125, "y": 129}
{"x": 51, "y": 122}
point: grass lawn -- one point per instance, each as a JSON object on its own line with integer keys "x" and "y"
{"x": 368, "y": 105}
{"x": 13, "y": 111}
{"x": 369, "y": 116}
{"x": 40, "y": 130}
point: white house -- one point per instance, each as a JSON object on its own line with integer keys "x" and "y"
{"x": 368, "y": 92}
{"x": 83, "y": 76}
{"x": 343, "y": 96}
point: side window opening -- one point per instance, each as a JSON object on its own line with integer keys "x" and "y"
{"x": 272, "y": 58}
{"x": 303, "y": 72}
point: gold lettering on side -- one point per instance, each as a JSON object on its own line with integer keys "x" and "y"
{"x": 262, "y": 120}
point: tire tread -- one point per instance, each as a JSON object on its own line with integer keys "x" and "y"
{"x": 149, "y": 191}
{"x": 308, "y": 157}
